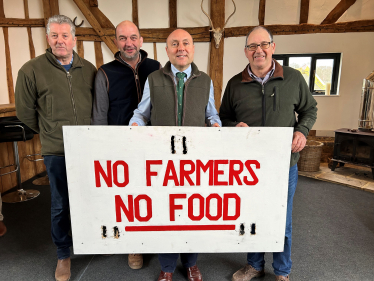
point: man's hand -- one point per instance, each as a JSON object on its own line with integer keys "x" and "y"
{"x": 134, "y": 124}
{"x": 298, "y": 142}
{"x": 216, "y": 125}
{"x": 242, "y": 124}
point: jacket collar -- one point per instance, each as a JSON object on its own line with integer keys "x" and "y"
{"x": 194, "y": 70}
{"x": 278, "y": 73}
{"x": 77, "y": 61}
{"x": 143, "y": 55}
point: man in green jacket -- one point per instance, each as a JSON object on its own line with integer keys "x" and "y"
{"x": 267, "y": 94}
{"x": 55, "y": 90}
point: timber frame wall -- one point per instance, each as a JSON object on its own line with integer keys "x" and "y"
{"x": 103, "y": 31}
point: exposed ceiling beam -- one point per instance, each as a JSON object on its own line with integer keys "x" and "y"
{"x": 199, "y": 34}
{"x": 341, "y": 27}
{"x": 12, "y": 22}
{"x": 338, "y": 11}
{"x": 304, "y": 11}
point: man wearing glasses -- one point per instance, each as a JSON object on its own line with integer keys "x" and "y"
{"x": 267, "y": 94}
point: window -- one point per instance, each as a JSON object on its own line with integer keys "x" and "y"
{"x": 319, "y": 70}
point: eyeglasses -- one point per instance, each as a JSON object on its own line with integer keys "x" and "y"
{"x": 263, "y": 46}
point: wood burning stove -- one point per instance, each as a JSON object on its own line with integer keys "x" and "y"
{"x": 355, "y": 147}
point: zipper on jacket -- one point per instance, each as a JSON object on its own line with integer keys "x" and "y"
{"x": 263, "y": 106}
{"x": 274, "y": 95}
{"x": 72, "y": 97}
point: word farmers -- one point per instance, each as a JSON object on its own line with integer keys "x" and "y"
{"x": 181, "y": 172}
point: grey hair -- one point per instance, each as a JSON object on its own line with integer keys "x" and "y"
{"x": 259, "y": 27}
{"x": 60, "y": 19}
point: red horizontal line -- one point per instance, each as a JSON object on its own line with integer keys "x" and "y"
{"x": 180, "y": 227}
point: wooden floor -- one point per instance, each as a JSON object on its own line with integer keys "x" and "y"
{"x": 350, "y": 175}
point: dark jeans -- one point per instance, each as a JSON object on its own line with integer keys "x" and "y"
{"x": 60, "y": 214}
{"x": 281, "y": 261}
{"x": 169, "y": 261}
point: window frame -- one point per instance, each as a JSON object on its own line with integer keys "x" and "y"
{"x": 314, "y": 57}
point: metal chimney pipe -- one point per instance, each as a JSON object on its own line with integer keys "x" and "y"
{"x": 366, "y": 118}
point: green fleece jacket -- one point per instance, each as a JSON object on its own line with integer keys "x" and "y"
{"x": 272, "y": 105}
{"x": 48, "y": 97}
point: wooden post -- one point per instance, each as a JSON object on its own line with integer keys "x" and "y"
{"x": 47, "y": 11}
{"x": 80, "y": 49}
{"x": 135, "y": 16}
{"x": 154, "y": 51}
{"x": 217, "y": 15}
{"x": 31, "y": 43}
{"x": 304, "y": 11}
{"x": 53, "y": 4}
{"x": 173, "y": 13}
{"x": 98, "y": 55}
{"x": 261, "y": 12}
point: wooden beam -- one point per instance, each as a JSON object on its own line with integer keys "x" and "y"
{"x": 53, "y": 4}
{"x": 173, "y": 13}
{"x": 12, "y": 22}
{"x": 31, "y": 43}
{"x": 135, "y": 14}
{"x": 217, "y": 15}
{"x": 94, "y": 3}
{"x": 199, "y": 34}
{"x": 47, "y": 11}
{"x": 98, "y": 55}
{"x": 150, "y": 35}
{"x": 96, "y": 25}
{"x": 80, "y": 49}
{"x": 154, "y": 51}
{"x": 9, "y": 75}
{"x": 304, "y": 11}
{"x": 261, "y": 12}
{"x": 338, "y": 11}
{"x": 341, "y": 27}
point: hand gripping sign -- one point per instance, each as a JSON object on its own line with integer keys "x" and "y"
{"x": 177, "y": 189}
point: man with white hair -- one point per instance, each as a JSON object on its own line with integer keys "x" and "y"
{"x": 53, "y": 90}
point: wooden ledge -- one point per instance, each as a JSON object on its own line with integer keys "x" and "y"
{"x": 7, "y": 107}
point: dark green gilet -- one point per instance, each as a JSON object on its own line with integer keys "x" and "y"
{"x": 164, "y": 99}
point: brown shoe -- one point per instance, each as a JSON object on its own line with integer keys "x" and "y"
{"x": 63, "y": 270}
{"x": 247, "y": 273}
{"x": 135, "y": 261}
{"x": 282, "y": 278}
{"x": 2, "y": 228}
{"x": 194, "y": 274}
{"x": 165, "y": 276}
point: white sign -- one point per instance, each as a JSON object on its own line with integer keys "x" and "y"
{"x": 177, "y": 189}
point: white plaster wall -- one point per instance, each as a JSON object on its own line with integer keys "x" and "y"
{"x": 153, "y": 14}
{"x": 36, "y": 9}
{"x": 115, "y": 10}
{"x": 14, "y": 9}
{"x": 282, "y": 12}
{"x": 361, "y": 10}
{"x": 19, "y": 49}
{"x": 246, "y": 13}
